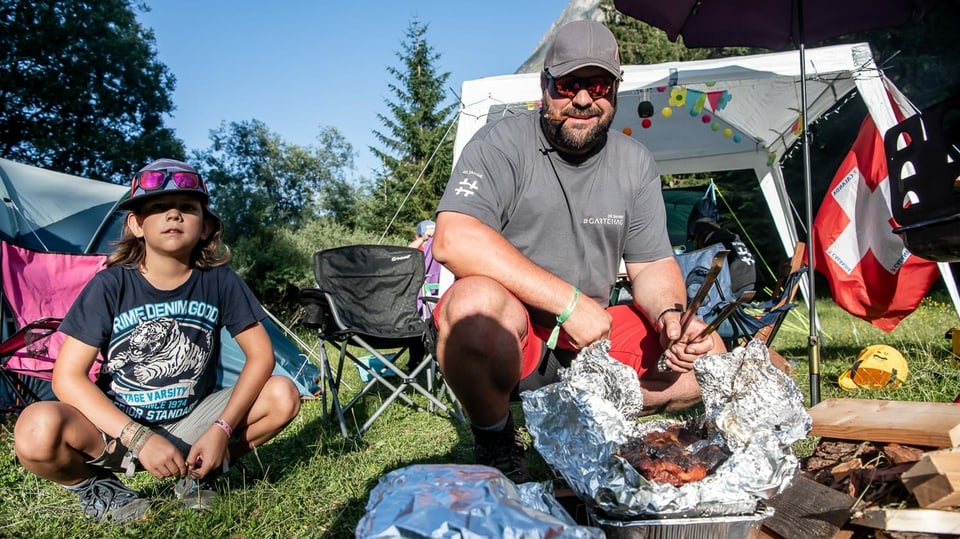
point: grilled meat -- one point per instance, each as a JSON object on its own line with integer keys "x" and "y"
{"x": 663, "y": 457}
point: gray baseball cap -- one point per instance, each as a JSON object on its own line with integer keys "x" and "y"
{"x": 580, "y": 44}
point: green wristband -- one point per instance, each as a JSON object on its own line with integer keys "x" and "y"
{"x": 562, "y": 317}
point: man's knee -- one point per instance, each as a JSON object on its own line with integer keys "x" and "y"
{"x": 669, "y": 395}
{"x": 473, "y": 299}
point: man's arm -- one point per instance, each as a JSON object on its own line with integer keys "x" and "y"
{"x": 468, "y": 247}
{"x": 658, "y": 288}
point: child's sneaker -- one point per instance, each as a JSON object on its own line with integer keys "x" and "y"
{"x": 197, "y": 494}
{"x": 103, "y": 496}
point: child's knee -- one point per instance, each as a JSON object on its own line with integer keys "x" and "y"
{"x": 38, "y": 426}
{"x": 283, "y": 396}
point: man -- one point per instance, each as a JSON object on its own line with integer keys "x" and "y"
{"x": 422, "y": 233}
{"x": 537, "y": 215}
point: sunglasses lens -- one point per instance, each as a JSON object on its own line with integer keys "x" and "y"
{"x": 599, "y": 87}
{"x": 151, "y": 179}
{"x": 570, "y": 86}
{"x": 186, "y": 180}
{"x": 565, "y": 86}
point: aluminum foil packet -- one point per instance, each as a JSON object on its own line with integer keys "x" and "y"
{"x": 752, "y": 409}
{"x": 437, "y": 500}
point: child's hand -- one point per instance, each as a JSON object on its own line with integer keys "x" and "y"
{"x": 208, "y": 453}
{"x": 161, "y": 458}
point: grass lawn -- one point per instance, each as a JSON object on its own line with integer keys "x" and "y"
{"x": 310, "y": 482}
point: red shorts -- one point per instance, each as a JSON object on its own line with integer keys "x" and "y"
{"x": 633, "y": 340}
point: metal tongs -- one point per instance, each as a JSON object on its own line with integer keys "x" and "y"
{"x": 691, "y": 312}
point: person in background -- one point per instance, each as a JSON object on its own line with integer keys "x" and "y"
{"x": 534, "y": 222}
{"x": 155, "y": 314}
{"x": 422, "y": 233}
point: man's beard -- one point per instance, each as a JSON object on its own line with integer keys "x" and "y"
{"x": 577, "y": 140}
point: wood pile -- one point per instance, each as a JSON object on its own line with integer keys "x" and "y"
{"x": 885, "y": 469}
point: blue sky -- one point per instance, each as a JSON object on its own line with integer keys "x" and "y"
{"x": 297, "y": 65}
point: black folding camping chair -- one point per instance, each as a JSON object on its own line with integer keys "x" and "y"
{"x": 365, "y": 306}
{"x": 737, "y": 322}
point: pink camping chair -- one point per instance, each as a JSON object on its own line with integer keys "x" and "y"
{"x": 38, "y": 289}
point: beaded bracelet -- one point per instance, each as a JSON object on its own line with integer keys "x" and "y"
{"x": 128, "y": 432}
{"x": 224, "y": 426}
{"x": 137, "y": 442}
{"x": 141, "y": 441}
{"x": 555, "y": 334}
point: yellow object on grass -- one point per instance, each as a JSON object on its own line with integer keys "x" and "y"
{"x": 877, "y": 366}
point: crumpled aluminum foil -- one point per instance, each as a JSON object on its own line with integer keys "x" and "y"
{"x": 751, "y": 407}
{"x": 449, "y": 500}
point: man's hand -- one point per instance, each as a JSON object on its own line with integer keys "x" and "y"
{"x": 681, "y": 350}
{"x": 588, "y": 323}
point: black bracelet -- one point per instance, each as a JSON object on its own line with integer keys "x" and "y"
{"x": 677, "y": 308}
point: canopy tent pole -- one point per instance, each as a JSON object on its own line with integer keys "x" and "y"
{"x": 813, "y": 342}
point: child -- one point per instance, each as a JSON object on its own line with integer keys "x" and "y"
{"x": 155, "y": 313}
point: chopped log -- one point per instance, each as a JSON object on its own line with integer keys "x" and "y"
{"x": 890, "y": 474}
{"x": 925, "y": 424}
{"x": 938, "y": 492}
{"x": 935, "y": 480}
{"x": 842, "y": 471}
{"x": 901, "y": 454}
{"x": 910, "y": 520}
{"x": 808, "y": 509}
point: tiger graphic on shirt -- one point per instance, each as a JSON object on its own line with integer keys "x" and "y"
{"x": 159, "y": 350}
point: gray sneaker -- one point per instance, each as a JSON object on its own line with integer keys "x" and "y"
{"x": 197, "y": 494}
{"x": 105, "y": 497}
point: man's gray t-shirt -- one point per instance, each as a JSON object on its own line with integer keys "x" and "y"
{"x": 575, "y": 220}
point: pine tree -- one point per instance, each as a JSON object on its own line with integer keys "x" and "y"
{"x": 417, "y": 140}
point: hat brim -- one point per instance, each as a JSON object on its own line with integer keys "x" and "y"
{"x": 134, "y": 203}
{"x": 565, "y": 68}
{"x": 846, "y": 382}
{"x": 870, "y": 378}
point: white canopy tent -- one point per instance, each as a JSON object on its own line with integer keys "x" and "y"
{"x": 739, "y": 113}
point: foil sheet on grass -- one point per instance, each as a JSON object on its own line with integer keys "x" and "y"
{"x": 449, "y": 500}
{"x": 752, "y": 408}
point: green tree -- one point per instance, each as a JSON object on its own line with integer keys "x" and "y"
{"x": 265, "y": 190}
{"x": 418, "y": 139}
{"x": 258, "y": 180}
{"x": 81, "y": 90}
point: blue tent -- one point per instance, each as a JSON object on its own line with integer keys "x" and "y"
{"x": 50, "y": 211}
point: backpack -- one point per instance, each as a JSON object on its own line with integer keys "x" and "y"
{"x": 694, "y": 266}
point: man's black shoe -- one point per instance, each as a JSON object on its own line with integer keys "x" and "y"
{"x": 502, "y": 450}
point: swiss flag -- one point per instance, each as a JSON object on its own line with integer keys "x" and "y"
{"x": 871, "y": 274}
